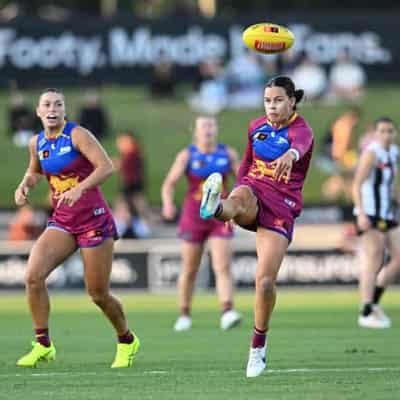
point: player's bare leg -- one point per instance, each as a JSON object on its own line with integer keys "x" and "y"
{"x": 372, "y": 248}
{"x": 388, "y": 274}
{"x": 97, "y": 264}
{"x": 271, "y": 249}
{"x": 241, "y": 206}
{"x": 221, "y": 256}
{"x": 50, "y": 250}
{"x": 191, "y": 258}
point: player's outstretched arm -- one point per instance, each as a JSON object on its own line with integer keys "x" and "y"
{"x": 168, "y": 187}
{"x": 32, "y": 175}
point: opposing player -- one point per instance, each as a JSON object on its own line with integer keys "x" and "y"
{"x": 197, "y": 162}
{"x": 267, "y": 197}
{"x": 74, "y": 164}
{"x": 375, "y": 196}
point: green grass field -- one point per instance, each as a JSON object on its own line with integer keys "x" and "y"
{"x": 316, "y": 351}
{"x": 164, "y": 129}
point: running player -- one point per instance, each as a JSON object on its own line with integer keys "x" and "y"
{"x": 198, "y": 161}
{"x": 74, "y": 164}
{"x": 267, "y": 197}
{"x": 375, "y": 203}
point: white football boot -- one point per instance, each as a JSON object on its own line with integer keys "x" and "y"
{"x": 230, "y": 319}
{"x": 183, "y": 323}
{"x": 211, "y": 195}
{"x": 378, "y": 311}
{"x": 373, "y": 321}
{"x": 257, "y": 361}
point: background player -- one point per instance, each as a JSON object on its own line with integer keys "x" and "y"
{"x": 197, "y": 162}
{"x": 75, "y": 164}
{"x": 375, "y": 196}
{"x": 267, "y": 198}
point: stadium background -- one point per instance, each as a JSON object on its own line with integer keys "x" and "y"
{"x": 114, "y": 51}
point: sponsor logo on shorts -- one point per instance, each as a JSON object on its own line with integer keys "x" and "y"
{"x": 95, "y": 234}
{"x": 289, "y": 202}
{"x": 99, "y": 211}
{"x": 281, "y": 224}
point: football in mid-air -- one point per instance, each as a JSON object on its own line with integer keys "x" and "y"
{"x": 268, "y": 38}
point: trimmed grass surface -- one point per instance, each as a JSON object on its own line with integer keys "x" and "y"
{"x": 316, "y": 351}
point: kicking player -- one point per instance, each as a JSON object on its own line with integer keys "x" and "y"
{"x": 267, "y": 197}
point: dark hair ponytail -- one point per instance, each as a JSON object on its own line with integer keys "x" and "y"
{"x": 286, "y": 83}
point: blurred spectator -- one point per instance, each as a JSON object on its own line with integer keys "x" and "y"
{"x": 131, "y": 210}
{"x": 27, "y": 224}
{"x": 366, "y": 138}
{"x": 288, "y": 61}
{"x": 93, "y": 116}
{"x": 245, "y": 79}
{"x": 211, "y": 89}
{"x": 339, "y": 156}
{"x": 162, "y": 81}
{"x": 311, "y": 77}
{"x": 22, "y": 121}
{"x": 347, "y": 79}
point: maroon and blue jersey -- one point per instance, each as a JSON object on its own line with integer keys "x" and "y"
{"x": 199, "y": 167}
{"x": 266, "y": 143}
{"x": 64, "y": 167}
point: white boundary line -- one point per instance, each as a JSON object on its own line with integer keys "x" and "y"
{"x": 220, "y": 372}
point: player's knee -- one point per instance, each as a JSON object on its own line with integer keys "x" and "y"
{"x": 33, "y": 280}
{"x": 188, "y": 276}
{"x": 99, "y": 297}
{"x": 266, "y": 284}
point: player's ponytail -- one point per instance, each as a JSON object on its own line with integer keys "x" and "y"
{"x": 286, "y": 83}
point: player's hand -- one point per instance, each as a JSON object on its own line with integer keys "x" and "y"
{"x": 21, "y": 195}
{"x": 363, "y": 222}
{"x": 283, "y": 166}
{"x": 168, "y": 211}
{"x": 70, "y": 197}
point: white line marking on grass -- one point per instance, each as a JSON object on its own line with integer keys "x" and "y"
{"x": 211, "y": 372}
{"x": 311, "y": 370}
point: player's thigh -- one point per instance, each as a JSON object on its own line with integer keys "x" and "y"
{"x": 271, "y": 249}
{"x": 191, "y": 256}
{"x": 97, "y": 264}
{"x": 51, "y": 249}
{"x": 373, "y": 244}
{"x": 221, "y": 253}
{"x": 247, "y": 201}
{"x": 393, "y": 243}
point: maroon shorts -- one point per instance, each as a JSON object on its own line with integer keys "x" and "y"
{"x": 92, "y": 237}
{"x": 273, "y": 212}
{"x": 201, "y": 232}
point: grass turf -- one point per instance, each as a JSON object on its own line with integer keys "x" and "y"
{"x": 163, "y": 128}
{"x": 316, "y": 351}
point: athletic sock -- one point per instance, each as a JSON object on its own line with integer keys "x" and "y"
{"x": 226, "y": 306}
{"x": 126, "y": 338}
{"x": 366, "y": 309}
{"x": 378, "y": 292}
{"x": 42, "y": 336}
{"x": 185, "y": 311}
{"x": 258, "y": 338}
{"x": 218, "y": 211}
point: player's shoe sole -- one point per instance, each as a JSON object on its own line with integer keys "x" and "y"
{"x": 211, "y": 195}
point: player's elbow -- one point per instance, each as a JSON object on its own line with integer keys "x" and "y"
{"x": 108, "y": 169}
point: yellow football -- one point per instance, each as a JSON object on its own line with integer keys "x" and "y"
{"x": 268, "y": 38}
